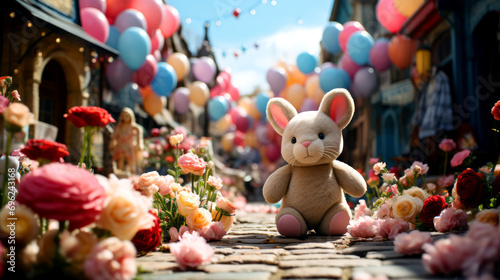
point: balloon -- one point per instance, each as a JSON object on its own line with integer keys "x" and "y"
{"x": 295, "y": 76}
{"x": 389, "y": 17}
{"x": 240, "y": 119}
{"x": 129, "y": 18}
{"x": 151, "y": 9}
{"x": 223, "y": 123}
{"x": 379, "y": 55}
{"x": 365, "y": 82}
{"x": 234, "y": 92}
{"x": 295, "y": 94}
{"x": 251, "y": 139}
{"x": 98, "y": 4}
{"x": 204, "y": 69}
{"x": 146, "y": 91}
{"x": 171, "y": 20}
{"x": 180, "y": 63}
{"x": 407, "y": 8}
{"x": 273, "y": 152}
{"x": 115, "y": 7}
{"x": 276, "y": 77}
{"x": 333, "y": 78}
{"x": 180, "y": 98}
{"x": 239, "y": 141}
{"x": 227, "y": 142}
{"x": 312, "y": 84}
{"x": 326, "y": 65}
{"x": 359, "y": 45}
{"x": 165, "y": 80}
{"x": 113, "y": 37}
{"x": 157, "y": 41}
{"x": 217, "y": 107}
{"x": 401, "y": 50}
{"x": 226, "y": 75}
{"x": 152, "y": 104}
{"x": 95, "y": 23}
{"x": 118, "y": 74}
{"x": 309, "y": 105}
{"x": 249, "y": 106}
{"x": 349, "y": 28}
{"x": 349, "y": 65}
{"x": 261, "y": 133}
{"x": 306, "y": 62}
{"x": 199, "y": 93}
{"x": 261, "y": 101}
{"x": 134, "y": 45}
{"x": 157, "y": 55}
{"x": 215, "y": 91}
{"x": 330, "y": 37}
{"x": 128, "y": 96}
{"x": 145, "y": 75}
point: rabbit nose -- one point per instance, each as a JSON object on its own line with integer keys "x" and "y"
{"x": 306, "y": 143}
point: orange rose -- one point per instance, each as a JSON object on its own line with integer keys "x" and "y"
{"x": 199, "y": 218}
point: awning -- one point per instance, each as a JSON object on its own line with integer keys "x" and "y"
{"x": 59, "y": 24}
{"x": 422, "y": 21}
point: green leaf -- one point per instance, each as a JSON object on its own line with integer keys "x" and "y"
{"x": 171, "y": 172}
{"x": 490, "y": 165}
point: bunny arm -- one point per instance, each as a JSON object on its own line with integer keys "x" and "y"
{"x": 276, "y": 184}
{"x": 349, "y": 179}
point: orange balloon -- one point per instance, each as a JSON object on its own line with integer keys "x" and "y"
{"x": 295, "y": 94}
{"x": 224, "y": 123}
{"x": 251, "y": 139}
{"x": 180, "y": 63}
{"x": 227, "y": 142}
{"x": 318, "y": 96}
{"x": 249, "y": 105}
{"x": 295, "y": 76}
{"x": 146, "y": 91}
{"x": 401, "y": 50}
{"x": 199, "y": 93}
{"x": 312, "y": 84}
{"x": 152, "y": 104}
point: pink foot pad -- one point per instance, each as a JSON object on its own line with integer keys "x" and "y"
{"x": 288, "y": 225}
{"x": 339, "y": 223}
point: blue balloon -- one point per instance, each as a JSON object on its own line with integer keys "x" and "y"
{"x": 134, "y": 44}
{"x": 333, "y": 77}
{"x": 359, "y": 46}
{"x": 165, "y": 80}
{"x": 330, "y": 38}
{"x": 261, "y": 102}
{"x": 306, "y": 62}
{"x": 113, "y": 37}
{"x": 217, "y": 107}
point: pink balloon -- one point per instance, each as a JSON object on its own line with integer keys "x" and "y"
{"x": 171, "y": 20}
{"x": 226, "y": 75}
{"x": 204, "y": 69}
{"x": 95, "y": 23}
{"x": 239, "y": 138}
{"x": 308, "y": 105}
{"x": 144, "y": 75}
{"x": 152, "y": 11}
{"x": 379, "y": 55}
{"x": 118, "y": 74}
{"x": 349, "y": 28}
{"x": 157, "y": 55}
{"x": 157, "y": 41}
{"x": 349, "y": 65}
{"x": 389, "y": 16}
{"x": 234, "y": 92}
{"x": 129, "y": 18}
{"x": 115, "y": 7}
{"x": 273, "y": 152}
{"x": 98, "y": 4}
{"x": 215, "y": 91}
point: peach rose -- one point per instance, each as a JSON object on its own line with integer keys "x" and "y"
{"x": 420, "y": 167}
{"x": 111, "y": 258}
{"x": 175, "y": 187}
{"x": 224, "y": 204}
{"x": 191, "y": 163}
{"x": 388, "y": 177}
{"x": 215, "y": 182}
{"x": 176, "y": 139}
{"x": 490, "y": 216}
{"x": 147, "y": 183}
{"x": 227, "y": 221}
{"x": 416, "y": 192}
{"x": 165, "y": 184}
{"x": 26, "y": 227}
{"x": 187, "y": 203}
{"x": 379, "y": 166}
{"x": 407, "y": 207}
{"x": 199, "y": 218}
{"x": 18, "y": 114}
{"x": 47, "y": 248}
{"x": 75, "y": 248}
{"x": 385, "y": 211}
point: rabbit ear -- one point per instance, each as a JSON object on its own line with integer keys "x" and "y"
{"x": 338, "y": 105}
{"x": 279, "y": 113}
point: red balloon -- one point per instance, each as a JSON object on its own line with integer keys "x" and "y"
{"x": 152, "y": 11}
{"x": 115, "y": 7}
{"x": 215, "y": 91}
{"x": 171, "y": 20}
{"x": 401, "y": 50}
{"x": 389, "y": 16}
{"x": 239, "y": 138}
{"x": 273, "y": 152}
{"x": 144, "y": 75}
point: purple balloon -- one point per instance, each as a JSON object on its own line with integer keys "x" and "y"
{"x": 118, "y": 74}
{"x": 180, "y": 97}
{"x": 276, "y": 77}
{"x": 261, "y": 134}
{"x": 129, "y": 18}
{"x": 349, "y": 65}
{"x": 326, "y": 65}
{"x": 365, "y": 82}
{"x": 308, "y": 105}
{"x": 379, "y": 55}
{"x": 204, "y": 69}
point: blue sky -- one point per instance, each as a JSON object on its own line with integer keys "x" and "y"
{"x": 282, "y": 29}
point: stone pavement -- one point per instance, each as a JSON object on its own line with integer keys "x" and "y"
{"x": 253, "y": 249}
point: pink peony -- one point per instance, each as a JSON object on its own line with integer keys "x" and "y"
{"x": 390, "y": 228}
{"x": 361, "y": 209}
{"x": 164, "y": 184}
{"x": 449, "y": 220}
{"x": 364, "y": 227}
{"x": 62, "y": 191}
{"x": 214, "y": 231}
{"x": 384, "y": 211}
{"x": 215, "y": 182}
{"x": 111, "y": 259}
{"x": 191, "y": 251}
{"x": 147, "y": 184}
{"x": 191, "y": 163}
{"x": 447, "y": 145}
{"x": 4, "y": 102}
{"x": 446, "y": 181}
{"x": 459, "y": 157}
{"x": 446, "y": 256}
{"x": 411, "y": 243}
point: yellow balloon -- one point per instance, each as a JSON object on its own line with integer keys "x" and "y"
{"x": 180, "y": 63}
{"x": 318, "y": 96}
{"x": 224, "y": 123}
{"x": 295, "y": 94}
{"x": 152, "y": 104}
{"x": 408, "y": 7}
{"x": 312, "y": 84}
{"x": 248, "y": 104}
{"x": 199, "y": 93}
{"x": 227, "y": 142}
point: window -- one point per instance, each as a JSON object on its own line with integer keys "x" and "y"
{"x": 67, "y": 8}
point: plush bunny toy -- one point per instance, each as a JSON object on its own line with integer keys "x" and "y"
{"x": 312, "y": 184}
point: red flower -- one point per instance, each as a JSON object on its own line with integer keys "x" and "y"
{"x": 155, "y": 132}
{"x": 495, "y": 111}
{"x": 146, "y": 240}
{"x": 89, "y": 116}
{"x": 37, "y": 149}
{"x": 470, "y": 188}
{"x": 433, "y": 206}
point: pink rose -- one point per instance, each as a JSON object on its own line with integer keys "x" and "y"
{"x": 180, "y": 130}
{"x": 62, "y": 191}
{"x": 373, "y": 161}
{"x": 446, "y": 221}
{"x": 486, "y": 256}
{"x": 411, "y": 243}
{"x": 191, "y": 163}
{"x": 164, "y": 184}
{"x": 174, "y": 234}
{"x": 4, "y": 102}
{"x": 365, "y": 227}
{"x": 224, "y": 204}
{"x": 215, "y": 182}
{"x": 447, "y": 256}
{"x": 446, "y": 181}
{"x": 183, "y": 230}
{"x": 459, "y": 157}
{"x": 111, "y": 258}
{"x": 447, "y": 145}
{"x": 361, "y": 209}
{"x": 191, "y": 251}
{"x": 390, "y": 228}
{"x": 423, "y": 168}
{"x": 147, "y": 184}
{"x": 384, "y": 211}
{"x": 15, "y": 94}
{"x": 462, "y": 219}
{"x": 378, "y": 167}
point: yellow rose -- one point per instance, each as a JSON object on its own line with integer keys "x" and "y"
{"x": 407, "y": 207}
{"x": 227, "y": 221}
{"x": 18, "y": 114}
{"x": 175, "y": 187}
{"x": 25, "y": 227}
{"x": 416, "y": 192}
{"x": 199, "y": 218}
{"x": 176, "y": 139}
{"x": 187, "y": 202}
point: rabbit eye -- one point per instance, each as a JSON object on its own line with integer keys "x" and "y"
{"x": 321, "y": 136}
{"x": 294, "y": 140}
